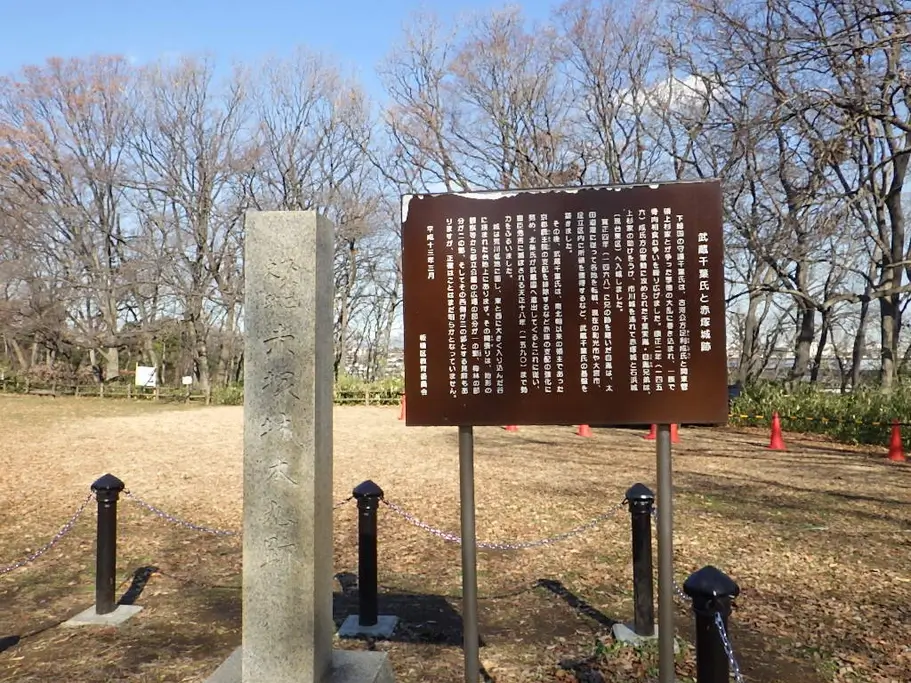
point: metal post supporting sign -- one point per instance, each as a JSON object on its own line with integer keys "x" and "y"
{"x": 470, "y": 634}
{"x": 665, "y": 557}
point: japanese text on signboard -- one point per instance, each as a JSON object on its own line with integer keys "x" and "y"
{"x": 594, "y": 305}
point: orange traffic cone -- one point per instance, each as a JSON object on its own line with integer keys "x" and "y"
{"x": 402, "y": 411}
{"x": 777, "y": 442}
{"x": 896, "y": 452}
{"x": 584, "y": 430}
{"x": 653, "y": 434}
{"x": 511, "y": 428}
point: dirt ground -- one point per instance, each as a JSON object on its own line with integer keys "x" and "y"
{"x": 818, "y": 538}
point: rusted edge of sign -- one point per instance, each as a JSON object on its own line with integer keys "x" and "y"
{"x": 503, "y": 194}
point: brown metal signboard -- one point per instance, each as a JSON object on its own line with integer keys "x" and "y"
{"x": 593, "y": 305}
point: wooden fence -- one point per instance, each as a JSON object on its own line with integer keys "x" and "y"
{"x": 108, "y": 390}
{"x": 126, "y": 390}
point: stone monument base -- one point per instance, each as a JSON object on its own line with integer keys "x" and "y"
{"x": 348, "y": 666}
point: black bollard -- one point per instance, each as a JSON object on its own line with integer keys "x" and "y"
{"x": 712, "y": 592}
{"x": 641, "y": 501}
{"x": 368, "y": 496}
{"x": 107, "y": 491}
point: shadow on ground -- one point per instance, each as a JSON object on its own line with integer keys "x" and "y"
{"x": 139, "y": 578}
{"x": 423, "y": 618}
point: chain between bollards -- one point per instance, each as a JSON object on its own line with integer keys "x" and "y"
{"x": 167, "y": 516}
{"x": 728, "y": 648}
{"x": 677, "y": 590}
{"x": 158, "y": 512}
{"x": 64, "y": 530}
{"x": 550, "y": 540}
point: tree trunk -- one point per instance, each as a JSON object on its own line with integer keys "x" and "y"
{"x": 888, "y": 310}
{"x": 806, "y": 331}
{"x": 897, "y": 223}
{"x": 823, "y": 338}
{"x": 385, "y": 343}
{"x": 111, "y": 362}
{"x": 906, "y": 359}
{"x": 345, "y": 313}
{"x": 239, "y": 368}
{"x": 748, "y": 351}
{"x": 383, "y": 359}
{"x": 860, "y": 343}
{"x": 152, "y": 354}
{"x": 223, "y": 366}
{"x": 21, "y": 358}
{"x": 226, "y": 352}
{"x": 97, "y": 370}
{"x": 197, "y": 336}
{"x": 843, "y": 374}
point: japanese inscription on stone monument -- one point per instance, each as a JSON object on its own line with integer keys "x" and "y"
{"x": 595, "y": 305}
{"x": 287, "y": 478}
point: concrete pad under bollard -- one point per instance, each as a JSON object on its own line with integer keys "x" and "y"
{"x": 90, "y": 617}
{"x": 626, "y": 634}
{"x": 383, "y": 628}
{"x": 348, "y": 666}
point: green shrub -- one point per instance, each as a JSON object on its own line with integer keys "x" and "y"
{"x": 352, "y": 390}
{"x": 228, "y": 396}
{"x": 861, "y": 417}
{"x": 348, "y": 391}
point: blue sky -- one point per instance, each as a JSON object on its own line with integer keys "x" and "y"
{"x": 357, "y": 32}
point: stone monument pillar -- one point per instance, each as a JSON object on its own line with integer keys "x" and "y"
{"x": 288, "y": 387}
{"x": 287, "y": 601}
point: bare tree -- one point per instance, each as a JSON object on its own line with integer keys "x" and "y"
{"x": 190, "y": 146}
{"x": 312, "y": 125}
{"x": 64, "y": 129}
{"x": 835, "y": 75}
{"x": 619, "y": 93}
{"x": 487, "y": 109}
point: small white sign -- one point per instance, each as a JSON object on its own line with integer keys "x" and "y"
{"x": 186, "y": 380}
{"x": 146, "y": 376}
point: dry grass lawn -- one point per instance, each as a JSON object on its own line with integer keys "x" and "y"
{"x": 818, "y": 537}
